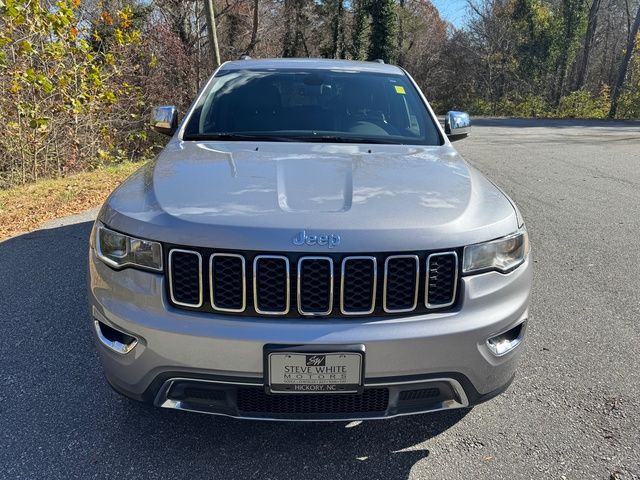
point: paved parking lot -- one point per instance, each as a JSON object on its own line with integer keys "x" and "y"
{"x": 573, "y": 411}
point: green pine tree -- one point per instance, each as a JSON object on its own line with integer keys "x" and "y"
{"x": 360, "y": 29}
{"x": 382, "y": 39}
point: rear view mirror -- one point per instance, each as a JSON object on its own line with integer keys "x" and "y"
{"x": 164, "y": 119}
{"x": 457, "y": 125}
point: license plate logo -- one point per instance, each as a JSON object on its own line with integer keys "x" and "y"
{"x": 316, "y": 360}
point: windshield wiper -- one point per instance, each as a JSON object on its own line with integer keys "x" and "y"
{"x": 238, "y": 137}
{"x": 341, "y": 139}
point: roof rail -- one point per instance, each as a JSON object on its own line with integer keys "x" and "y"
{"x": 379, "y": 60}
{"x": 244, "y": 56}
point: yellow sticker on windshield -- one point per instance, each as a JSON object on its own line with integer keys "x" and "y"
{"x": 400, "y": 90}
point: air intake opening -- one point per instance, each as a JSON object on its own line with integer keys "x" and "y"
{"x": 198, "y": 394}
{"x": 256, "y": 401}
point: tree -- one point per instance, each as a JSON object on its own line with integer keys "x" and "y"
{"x": 254, "y": 27}
{"x": 211, "y": 29}
{"x": 622, "y": 72}
{"x": 492, "y": 44}
{"x": 401, "y": 20}
{"x": 422, "y": 45}
{"x": 360, "y": 29}
{"x": 382, "y": 37}
{"x": 589, "y": 38}
{"x": 294, "y": 43}
{"x": 338, "y": 30}
{"x": 330, "y": 30}
{"x": 534, "y": 32}
{"x": 572, "y": 16}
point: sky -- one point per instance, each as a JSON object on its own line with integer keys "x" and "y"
{"x": 452, "y": 10}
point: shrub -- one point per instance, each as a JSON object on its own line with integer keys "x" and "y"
{"x": 629, "y": 103}
{"x": 581, "y": 104}
{"x": 532, "y": 106}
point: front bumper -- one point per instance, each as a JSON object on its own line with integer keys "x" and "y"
{"x": 226, "y": 352}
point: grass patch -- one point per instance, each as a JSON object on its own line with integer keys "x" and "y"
{"x": 26, "y": 207}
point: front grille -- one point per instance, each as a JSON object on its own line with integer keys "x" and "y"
{"x": 255, "y": 400}
{"x": 294, "y": 285}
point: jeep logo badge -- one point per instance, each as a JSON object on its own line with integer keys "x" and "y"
{"x": 322, "y": 240}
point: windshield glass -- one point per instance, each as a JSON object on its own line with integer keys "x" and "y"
{"x": 312, "y": 106}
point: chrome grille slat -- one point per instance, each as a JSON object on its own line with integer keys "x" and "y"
{"x": 389, "y": 276}
{"x": 369, "y": 289}
{"x": 441, "y": 287}
{"x": 312, "y": 285}
{"x": 176, "y": 274}
{"x": 215, "y": 278}
{"x": 261, "y": 284}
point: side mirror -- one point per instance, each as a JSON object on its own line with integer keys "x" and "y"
{"x": 164, "y": 119}
{"x": 457, "y": 125}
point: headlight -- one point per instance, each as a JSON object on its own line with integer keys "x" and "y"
{"x": 118, "y": 250}
{"x": 503, "y": 254}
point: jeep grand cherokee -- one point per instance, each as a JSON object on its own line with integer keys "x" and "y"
{"x": 309, "y": 246}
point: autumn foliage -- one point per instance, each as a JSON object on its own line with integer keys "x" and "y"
{"x": 79, "y": 77}
{"x": 65, "y": 105}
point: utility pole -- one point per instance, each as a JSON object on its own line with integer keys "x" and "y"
{"x": 211, "y": 29}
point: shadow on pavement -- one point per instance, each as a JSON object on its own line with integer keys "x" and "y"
{"x": 552, "y": 123}
{"x": 61, "y": 420}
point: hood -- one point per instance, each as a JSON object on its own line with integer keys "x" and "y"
{"x": 260, "y": 196}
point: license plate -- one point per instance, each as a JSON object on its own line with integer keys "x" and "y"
{"x": 312, "y": 372}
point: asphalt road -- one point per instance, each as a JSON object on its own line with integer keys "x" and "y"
{"x": 573, "y": 411}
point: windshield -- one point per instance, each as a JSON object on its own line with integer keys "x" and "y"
{"x": 312, "y": 106}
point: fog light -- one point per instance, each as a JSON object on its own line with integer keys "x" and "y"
{"x": 507, "y": 341}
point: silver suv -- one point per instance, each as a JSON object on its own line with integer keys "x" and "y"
{"x": 309, "y": 246}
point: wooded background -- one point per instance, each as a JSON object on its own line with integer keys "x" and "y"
{"x": 78, "y": 77}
